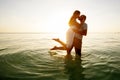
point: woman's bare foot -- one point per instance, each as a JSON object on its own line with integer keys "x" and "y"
{"x": 56, "y": 39}
{"x": 53, "y": 48}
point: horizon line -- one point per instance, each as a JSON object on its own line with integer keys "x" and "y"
{"x": 47, "y": 32}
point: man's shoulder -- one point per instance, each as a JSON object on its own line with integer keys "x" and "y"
{"x": 85, "y": 24}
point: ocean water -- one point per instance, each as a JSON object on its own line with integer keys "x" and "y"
{"x": 27, "y": 56}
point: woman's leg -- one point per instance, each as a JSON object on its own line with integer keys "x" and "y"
{"x": 63, "y": 47}
{"x": 61, "y": 42}
{"x": 69, "y": 50}
{"x": 58, "y": 48}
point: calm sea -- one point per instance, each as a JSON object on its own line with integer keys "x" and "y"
{"x": 27, "y": 56}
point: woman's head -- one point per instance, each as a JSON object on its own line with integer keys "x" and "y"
{"x": 76, "y": 13}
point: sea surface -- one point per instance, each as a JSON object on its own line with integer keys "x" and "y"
{"x": 27, "y": 56}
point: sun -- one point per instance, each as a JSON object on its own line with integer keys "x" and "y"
{"x": 59, "y": 30}
{"x": 57, "y": 23}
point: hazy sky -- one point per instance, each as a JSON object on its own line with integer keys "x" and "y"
{"x": 53, "y": 15}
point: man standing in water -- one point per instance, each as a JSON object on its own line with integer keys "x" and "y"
{"x": 79, "y": 32}
{"x": 74, "y": 34}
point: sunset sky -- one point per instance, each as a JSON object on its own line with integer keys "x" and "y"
{"x": 53, "y": 15}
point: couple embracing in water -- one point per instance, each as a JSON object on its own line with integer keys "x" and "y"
{"x": 74, "y": 35}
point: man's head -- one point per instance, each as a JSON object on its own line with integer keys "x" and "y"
{"x": 82, "y": 18}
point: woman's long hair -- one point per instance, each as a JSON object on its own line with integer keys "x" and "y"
{"x": 71, "y": 21}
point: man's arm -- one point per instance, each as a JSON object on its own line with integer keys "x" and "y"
{"x": 84, "y": 32}
{"x": 77, "y": 31}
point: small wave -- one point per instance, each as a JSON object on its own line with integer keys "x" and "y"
{"x": 29, "y": 64}
{"x": 3, "y": 49}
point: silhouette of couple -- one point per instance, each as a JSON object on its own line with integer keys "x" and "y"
{"x": 74, "y": 35}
